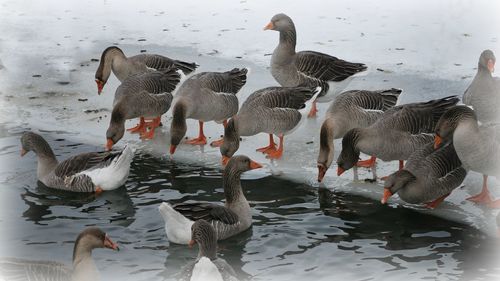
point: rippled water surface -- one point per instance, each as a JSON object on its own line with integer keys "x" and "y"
{"x": 299, "y": 232}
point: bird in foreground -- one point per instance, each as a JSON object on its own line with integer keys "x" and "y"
{"x": 351, "y": 109}
{"x": 207, "y": 266}
{"x": 228, "y": 220}
{"x": 395, "y": 135}
{"x": 272, "y": 110}
{"x": 478, "y": 147}
{"x": 429, "y": 176}
{"x": 206, "y": 96}
{"x": 86, "y": 172}
{"x": 145, "y": 95}
{"x": 307, "y": 68}
{"x": 483, "y": 94}
{"x": 113, "y": 59}
{"x": 84, "y": 268}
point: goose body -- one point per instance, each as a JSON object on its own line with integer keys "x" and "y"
{"x": 228, "y": 220}
{"x": 86, "y": 172}
{"x": 114, "y": 60}
{"x": 272, "y": 110}
{"x": 84, "y": 268}
{"x": 429, "y": 174}
{"x": 351, "y": 109}
{"x": 396, "y": 134}
{"x": 207, "y": 96}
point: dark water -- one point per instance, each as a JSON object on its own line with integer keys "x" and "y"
{"x": 299, "y": 232}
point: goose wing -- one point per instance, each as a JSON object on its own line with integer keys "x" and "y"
{"x": 22, "y": 270}
{"x": 85, "y": 161}
{"x": 206, "y": 211}
{"x": 315, "y": 65}
{"x": 224, "y": 82}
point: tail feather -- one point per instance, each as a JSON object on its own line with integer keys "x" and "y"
{"x": 177, "y": 227}
{"x": 186, "y": 67}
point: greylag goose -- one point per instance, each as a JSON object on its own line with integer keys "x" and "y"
{"x": 307, "y": 68}
{"x": 351, "y": 109}
{"x": 86, "y": 172}
{"x": 429, "y": 176}
{"x": 205, "y": 97}
{"x": 478, "y": 147}
{"x": 145, "y": 95}
{"x": 483, "y": 94}
{"x": 84, "y": 268}
{"x": 272, "y": 110}
{"x": 113, "y": 59}
{"x": 206, "y": 266}
{"x": 228, "y": 220}
{"x": 395, "y": 135}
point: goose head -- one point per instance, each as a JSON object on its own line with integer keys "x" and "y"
{"x": 487, "y": 61}
{"x": 104, "y": 70}
{"x": 280, "y": 22}
{"x": 231, "y": 141}
{"x": 349, "y": 155}
{"x": 178, "y": 127}
{"x": 449, "y": 121}
{"x": 326, "y": 149}
{"x": 203, "y": 234}
{"x": 395, "y": 182}
{"x": 116, "y": 128}
{"x": 89, "y": 239}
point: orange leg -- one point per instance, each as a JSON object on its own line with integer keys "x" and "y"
{"x": 401, "y": 164}
{"x": 435, "y": 203}
{"x": 139, "y": 128}
{"x": 270, "y": 148}
{"x": 201, "y": 139}
{"x": 219, "y": 142}
{"x": 370, "y": 163}
{"x": 277, "y": 153}
{"x": 151, "y": 126}
{"x": 483, "y": 197}
{"x": 313, "y": 111}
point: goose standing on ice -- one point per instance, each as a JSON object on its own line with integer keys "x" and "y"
{"x": 272, "y": 110}
{"x": 113, "y": 59}
{"x": 84, "y": 268}
{"x": 206, "y": 96}
{"x": 207, "y": 266}
{"x": 395, "y": 135}
{"x": 228, "y": 220}
{"x": 86, "y": 172}
{"x": 351, "y": 109}
{"x": 478, "y": 147}
{"x": 429, "y": 176}
{"x": 307, "y": 68}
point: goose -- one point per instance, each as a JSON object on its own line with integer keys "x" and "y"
{"x": 478, "y": 147}
{"x": 228, "y": 220}
{"x": 395, "y": 135}
{"x": 113, "y": 59}
{"x": 429, "y": 176}
{"x": 205, "y": 97}
{"x": 84, "y": 268}
{"x": 272, "y": 110}
{"x": 351, "y": 109}
{"x": 483, "y": 94}
{"x": 307, "y": 68}
{"x": 86, "y": 172}
{"x": 145, "y": 95}
{"x": 207, "y": 266}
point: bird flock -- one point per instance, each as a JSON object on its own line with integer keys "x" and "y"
{"x": 436, "y": 142}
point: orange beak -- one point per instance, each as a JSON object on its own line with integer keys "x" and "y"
{"x": 23, "y": 152}
{"x": 270, "y": 25}
{"x": 100, "y": 85}
{"x": 109, "y": 144}
{"x": 172, "y": 149}
{"x": 321, "y": 172}
{"x": 491, "y": 65}
{"x": 225, "y": 159}
{"x": 254, "y": 165}
{"x": 191, "y": 243}
{"x": 340, "y": 171}
{"x": 437, "y": 141}
{"x": 108, "y": 243}
{"x": 385, "y": 197}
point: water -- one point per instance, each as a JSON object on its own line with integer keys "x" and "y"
{"x": 299, "y": 232}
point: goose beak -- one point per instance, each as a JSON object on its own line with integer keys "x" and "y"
{"x": 23, "y": 152}
{"x": 254, "y": 165}
{"x": 191, "y": 243}
{"x": 437, "y": 141}
{"x": 491, "y": 65}
{"x": 109, "y": 144}
{"x": 269, "y": 26}
{"x": 172, "y": 149}
{"x": 340, "y": 171}
{"x": 108, "y": 243}
{"x": 385, "y": 197}
{"x": 100, "y": 85}
{"x": 321, "y": 172}
{"x": 225, "y": 159}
